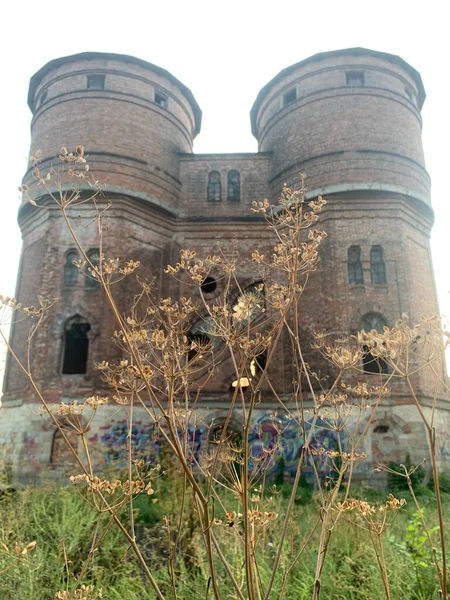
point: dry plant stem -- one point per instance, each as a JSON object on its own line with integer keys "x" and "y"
{"x": 130, "y": 465}
{"x": 325, "y": 535}
{"x": 293, "y": 563}
{"x": 379, "y": 552}
{"x": 437, "y": 491}
{"x": 290, "y": 506}
{"x": 227, "y": 566}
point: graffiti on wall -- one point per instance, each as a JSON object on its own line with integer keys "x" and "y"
{"x": 281, "y": 440}
{"x": 274, "y": 441}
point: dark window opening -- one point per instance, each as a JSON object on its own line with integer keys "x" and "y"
{"x": 355, "y": 77}
{"x": 381, "y": 429}
{"x": 354, "y": 266}
{"x": 92, "y": 282}
{"x": 372, "y": 364}
{"x": 290, "y": 96}
{"x": 377, "y": 266}
{"x": 76, "y": 346}
{"x": 70, "y": 270}
{"x": 258, "y": 364}
{"x": 96, "y": 82}
{"x": 209, "y": 285}
{"x": 234, "y": 186}
{"x": 214, "y": 187}
{"x": 200, "y": 339}
{"x": 161, "y": 99}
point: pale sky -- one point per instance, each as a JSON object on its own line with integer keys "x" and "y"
{"x": 224, "y": 52}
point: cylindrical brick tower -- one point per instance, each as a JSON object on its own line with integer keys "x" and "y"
{"x": 132, "y": 117}
{"x": 350, "y": 119}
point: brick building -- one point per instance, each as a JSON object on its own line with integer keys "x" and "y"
{"x": 349, "y": 119}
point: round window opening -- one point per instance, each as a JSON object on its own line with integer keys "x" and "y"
{"x": 209, "y": 285}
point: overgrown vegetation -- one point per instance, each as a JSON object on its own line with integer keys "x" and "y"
{"x": 220, "y": 529}
{"x": 62, "y": 524}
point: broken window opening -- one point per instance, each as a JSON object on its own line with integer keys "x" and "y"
{"x": 371, "y": 363}
{"x": 209, "y": 285}
{"x": 76, "y": 346}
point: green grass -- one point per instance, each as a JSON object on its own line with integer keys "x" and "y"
{"x": 63, "y": 524}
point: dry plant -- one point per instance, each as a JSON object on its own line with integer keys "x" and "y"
{"x": 163, "y": 371}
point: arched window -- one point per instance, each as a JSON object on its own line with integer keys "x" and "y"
{"x": 214, "y": 187}
{"x": 372, "y": 364}
{"x": 354, "y": 266}
{"x": 76, "y": 346}
{"x": 234, "y": 186}
{"x": 70, "y": 270}
{"x": 377, "y": 266}
{"x": 92, "y": 282}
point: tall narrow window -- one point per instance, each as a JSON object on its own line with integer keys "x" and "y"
{"x": 70, "y": 270}
{"x": 234, "y": 186}
{"x": 91, "y": 281}
{"x": 372, "y": 364}
{"x": 354, "y": 266}
{"x": 214, "y": 187}
{"x": 377, "y": 265}
{"x": 76, "y": 346}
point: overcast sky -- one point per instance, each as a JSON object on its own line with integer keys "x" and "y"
{"x": 224, "y": 52}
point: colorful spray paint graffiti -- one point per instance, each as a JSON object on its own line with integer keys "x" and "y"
{"x": 275, "y": 441}
{"x": 280, "y": 439}
{"x": 147, "y": 442}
